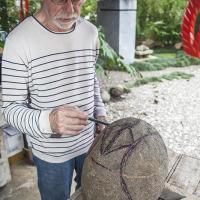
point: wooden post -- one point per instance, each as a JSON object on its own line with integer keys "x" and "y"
{"x": 24, "y": 9}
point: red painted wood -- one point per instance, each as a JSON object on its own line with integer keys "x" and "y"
{"x": 190, "y": 39}
{"x": 24, "y": 9}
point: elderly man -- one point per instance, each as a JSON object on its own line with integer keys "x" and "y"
{"x": 49, "y": 90}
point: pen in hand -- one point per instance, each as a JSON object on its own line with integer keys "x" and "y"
{"x": 98, "y": 121}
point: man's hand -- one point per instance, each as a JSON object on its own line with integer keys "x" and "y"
{"x": 67, "y": 120}
{"x": 100, "y": 127}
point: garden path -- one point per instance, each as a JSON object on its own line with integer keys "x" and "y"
{"x": 172, "y": 107}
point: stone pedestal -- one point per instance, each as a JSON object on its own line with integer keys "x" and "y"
{"x": 5, "y": 175}
{"x": 118, "y": 19}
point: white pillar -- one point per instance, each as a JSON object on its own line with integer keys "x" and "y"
{"x": 118, "y": 19}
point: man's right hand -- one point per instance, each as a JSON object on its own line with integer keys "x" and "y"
{"x": 67, "y": 120}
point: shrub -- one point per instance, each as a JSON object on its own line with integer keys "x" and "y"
{"x": 160, "y": 20}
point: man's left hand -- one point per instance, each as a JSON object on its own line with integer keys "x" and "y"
{"x": 100, "y": 127}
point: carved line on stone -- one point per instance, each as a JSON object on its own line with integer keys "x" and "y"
{"x": 118, "y": 133}
{"x": 126, "y": 155}
{"x": 101, "y": 165}
{"x": 107, "y": 150}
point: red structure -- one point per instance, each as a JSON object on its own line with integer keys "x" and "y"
{"x": 24, "y": 9}
{"x": 191, "y": 40}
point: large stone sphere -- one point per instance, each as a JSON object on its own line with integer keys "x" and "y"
{"x": 127, "y": 161}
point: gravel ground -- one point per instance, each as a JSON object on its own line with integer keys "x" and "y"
{"x": 172, "y": 107}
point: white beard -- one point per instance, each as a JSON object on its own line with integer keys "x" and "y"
{"x": 64, "y": 26}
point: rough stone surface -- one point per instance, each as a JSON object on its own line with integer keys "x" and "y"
{"x": 105, "y": 96}
{"x": 143, "y": 50}
{"x": 178, "y": 46}
{"x": 116, "y": 91}
{"x": 128, "y": 160}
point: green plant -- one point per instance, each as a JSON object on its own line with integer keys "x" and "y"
{"x": 1, "y": 44}
{"x": 160, "y": 20}
{"x": 165, "y": 53}
{"x": 89, "y": 10}
{"x": 169, "y": 77}
{"x": 177, "y": 75}
{"x": 181, "y": 60}
{"x": 9, "y": 13}
{"x": 3, "y": 15}
{"x": 153, "y": 65}
{"x": 143, "y": 81}
{"x": 109, "y": 59}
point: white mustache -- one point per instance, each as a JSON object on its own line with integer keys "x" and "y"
{"x": 66, "y": 17}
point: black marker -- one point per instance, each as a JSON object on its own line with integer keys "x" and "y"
{"x": 98, "y": 121}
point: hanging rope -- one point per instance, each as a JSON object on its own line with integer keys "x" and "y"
{"x": 191, "y": 40}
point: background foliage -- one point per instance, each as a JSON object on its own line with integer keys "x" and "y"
{"x": 9, "y": 13}
{"x": 160, "y": 20}
{"x": 89, "y": 10}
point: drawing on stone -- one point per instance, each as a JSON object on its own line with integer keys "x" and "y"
{"x": 128, "y": 160}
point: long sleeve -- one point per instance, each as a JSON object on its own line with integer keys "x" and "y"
{"x": 99, "y": 109}
{"x": 98, "y": 103}
{"x": 15, "y": 91}
{"x": 43, "y": 70}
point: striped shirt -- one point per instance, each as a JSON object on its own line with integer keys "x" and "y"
{"x": 42, "y": 70}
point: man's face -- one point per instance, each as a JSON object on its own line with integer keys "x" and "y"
{"x": 63, "y": 13}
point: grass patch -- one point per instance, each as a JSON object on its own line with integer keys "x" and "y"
{"x": 171, "y": 76}
{"x": 180, "y": 60}
{"x": 165, "y": 55}
{"x": 144, "y": 81}
{"x": 153, "y": 65}
{"x": 164, "y": 50}
{"x": 177, "y": 75}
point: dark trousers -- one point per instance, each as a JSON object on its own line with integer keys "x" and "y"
{"x": 55, "y": 179}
